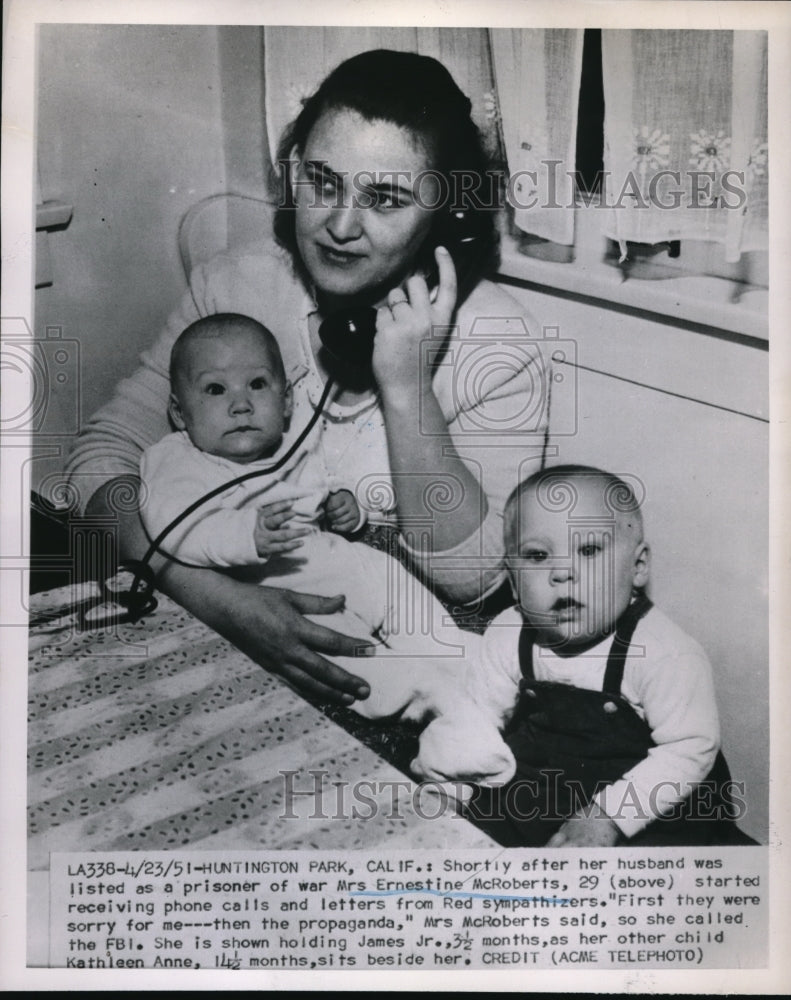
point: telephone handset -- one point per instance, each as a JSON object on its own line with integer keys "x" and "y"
{"x": 348, "y": 335}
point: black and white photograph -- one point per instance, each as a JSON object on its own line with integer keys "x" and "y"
{"x": 391, "y": 576}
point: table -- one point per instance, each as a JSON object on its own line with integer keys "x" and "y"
{"x": 161, "y": 735}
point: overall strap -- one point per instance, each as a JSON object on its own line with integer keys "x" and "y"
{"x": 624, "y": 630}
{"x": 526, "y": 651}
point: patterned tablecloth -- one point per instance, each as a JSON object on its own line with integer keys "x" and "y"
{"x": 161, "y": 735}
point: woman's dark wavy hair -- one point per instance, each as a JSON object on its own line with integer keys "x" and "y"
{"x": 418, "y": 94}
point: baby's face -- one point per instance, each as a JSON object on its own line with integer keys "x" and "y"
{"x": 231, "y": 397}
{"x": 573, "y": 570}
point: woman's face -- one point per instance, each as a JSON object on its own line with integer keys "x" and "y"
{"x": 361, "y": 196}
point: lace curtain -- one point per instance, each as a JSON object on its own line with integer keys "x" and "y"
{"x": 297, "y": 60}
{"x": 685, "y": 137}
{"x": 679, "y": 105}
{"x": 538, "y": 79}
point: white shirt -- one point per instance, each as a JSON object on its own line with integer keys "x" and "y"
{"x": 667, "y": 679}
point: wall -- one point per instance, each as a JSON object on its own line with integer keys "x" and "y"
{"x": 135, "y": 125}
{"x": 658, "y": 407}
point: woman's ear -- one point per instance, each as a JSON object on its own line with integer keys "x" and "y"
{"x": 174, "y": 412}
{"x": 642, "y": 565}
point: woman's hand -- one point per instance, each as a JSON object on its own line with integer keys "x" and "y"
{"x": 265, "y": 623}
{"x": 424, "y": 463}
{"x": 268, "y": 624}
{"x": 408, "y": 319}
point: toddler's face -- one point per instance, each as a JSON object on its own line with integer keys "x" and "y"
{"x": 231, "y": 397}
{"x": 573, "y": 570}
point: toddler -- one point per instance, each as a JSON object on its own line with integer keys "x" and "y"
{"x": 609, "y": 724}
{"x": 235, "y": 412}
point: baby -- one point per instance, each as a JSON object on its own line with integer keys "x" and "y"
{"x": 607, "y": 708}
{"x": 236, "y": 412}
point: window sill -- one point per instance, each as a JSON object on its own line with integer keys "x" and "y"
{"x": 701, "y": 300}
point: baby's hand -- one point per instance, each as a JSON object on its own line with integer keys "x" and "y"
{"x": 596, "y": 830}
{"x": 270, "y": 534}
{"x": 343, "y": 514}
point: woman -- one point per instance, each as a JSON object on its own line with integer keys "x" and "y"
{"x": 452, "y": 407}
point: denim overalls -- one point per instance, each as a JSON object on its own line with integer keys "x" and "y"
{"x": 570, "y": 742}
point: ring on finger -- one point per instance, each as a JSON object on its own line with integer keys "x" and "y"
{"x": 393, "y": 302}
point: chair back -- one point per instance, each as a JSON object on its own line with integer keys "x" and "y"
{"x": 222, "y": 222}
